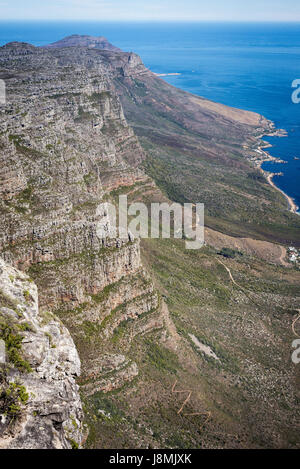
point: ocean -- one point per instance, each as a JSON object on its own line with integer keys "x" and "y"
{"x": 249, "y": 66}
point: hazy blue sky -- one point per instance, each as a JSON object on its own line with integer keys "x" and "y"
{"x": 220, "y": 10}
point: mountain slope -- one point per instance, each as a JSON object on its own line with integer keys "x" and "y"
{"x": 199, "y": 151}
{"x": 148, "y": 319}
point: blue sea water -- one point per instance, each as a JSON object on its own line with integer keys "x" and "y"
{"x": 249, "y": 66}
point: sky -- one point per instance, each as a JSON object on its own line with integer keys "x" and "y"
{"x": 151, "y": 10}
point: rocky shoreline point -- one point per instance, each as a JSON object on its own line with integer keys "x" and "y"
{"x": 263, "y": 156}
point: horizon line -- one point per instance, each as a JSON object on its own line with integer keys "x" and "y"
{"x": 3, "y": 20}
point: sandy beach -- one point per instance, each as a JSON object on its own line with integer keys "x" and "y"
{"x": 292, "y": 206}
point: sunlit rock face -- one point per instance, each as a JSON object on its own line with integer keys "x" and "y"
{"x": 50, "y": 416}
{"x": 66, "y": 149}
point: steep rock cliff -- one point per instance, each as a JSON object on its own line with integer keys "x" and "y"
{"x": 40, "y": 406}
{"x": 66, "y": 149}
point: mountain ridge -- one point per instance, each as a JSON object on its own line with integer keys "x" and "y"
{"x": 78, "y": 40}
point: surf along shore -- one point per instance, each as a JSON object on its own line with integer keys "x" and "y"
{"x": 268, "y": 175}
{"x": 292, "y": 206}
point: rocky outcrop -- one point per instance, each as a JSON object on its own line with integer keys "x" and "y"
{"x": 39, "y": 371}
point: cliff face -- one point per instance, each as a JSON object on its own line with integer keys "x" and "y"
{"x": 40, "y": 405}
{"x": 66, "y": 147}
{"x": 64, "y": 144}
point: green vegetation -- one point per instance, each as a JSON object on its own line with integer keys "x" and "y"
{"x": 161, "y": 358}
{"x": 26, "y": 195}
{"x": 22, "y": 148}
{"x": 83, "y": 116}
{"x": 103, "y": 294}
{"x": 27, "y": 296}
{"x": 10, "y": 333}
{"x": 74, "y": 444}
{"x": 6, "y": 301}
{"x": 87, "y": 257}
{"x": 90, "y": 178}
{"x": 13, "y": 397}
{"x": 229, "y": 253}
{"x": 96, "y": 98}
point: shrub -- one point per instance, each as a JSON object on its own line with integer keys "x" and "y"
{"x": 13, "y": 343}
{"x": 229, "y": 253}
{"x": 13, "y": 397}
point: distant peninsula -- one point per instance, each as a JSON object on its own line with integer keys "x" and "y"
{"x": 77, "y": 40}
